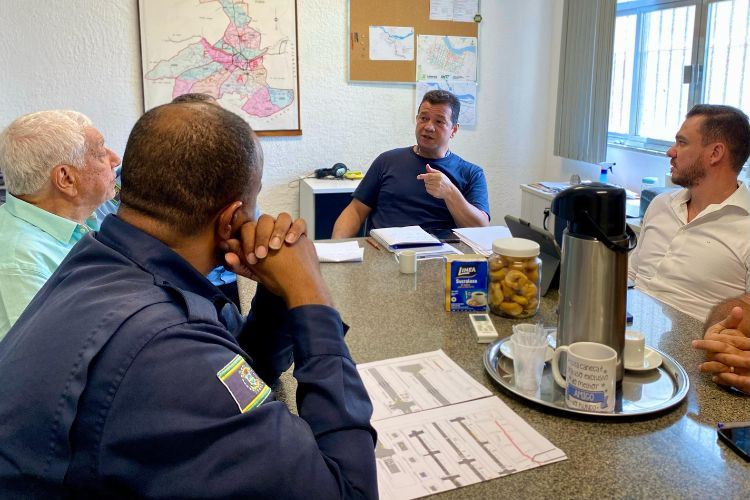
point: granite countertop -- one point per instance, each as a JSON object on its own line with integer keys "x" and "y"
{"x": 672, "y": 454}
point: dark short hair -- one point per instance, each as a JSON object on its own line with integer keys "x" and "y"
{"x": 443, "y": 97}
{"x": 195, "y": 97}
{"x": 184, "y": 162}
{"x": 728, "y": 125}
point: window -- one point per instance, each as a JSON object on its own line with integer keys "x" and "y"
{"x": 669, "y": 55}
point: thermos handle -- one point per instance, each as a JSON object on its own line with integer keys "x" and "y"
{"x": 556, "y": 366}
{"x": 632, "y": 239}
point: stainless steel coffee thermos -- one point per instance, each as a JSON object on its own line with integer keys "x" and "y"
{"x": 594, "y": 269}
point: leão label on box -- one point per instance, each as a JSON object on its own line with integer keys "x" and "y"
{"x": 465, "y": 282}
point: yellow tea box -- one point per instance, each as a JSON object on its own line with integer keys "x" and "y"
{"x": 465, "y": 282}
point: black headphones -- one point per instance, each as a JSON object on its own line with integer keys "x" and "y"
{"x": 337, "y": 170}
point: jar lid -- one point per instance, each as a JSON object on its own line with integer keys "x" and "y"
{"x": 515, "y": 247}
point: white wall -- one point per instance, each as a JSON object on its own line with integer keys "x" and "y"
{"x": 73, "y": 54}
{"x": 85, "y": 55}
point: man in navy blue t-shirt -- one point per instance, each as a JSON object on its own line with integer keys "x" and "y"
{"x": 425, "y": 185}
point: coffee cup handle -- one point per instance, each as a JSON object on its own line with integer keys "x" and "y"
{"x": 559, "y": 379}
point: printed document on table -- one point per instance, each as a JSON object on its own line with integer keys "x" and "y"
{"x": 445, "y": 448}
{"x": 427, "y": 253}
{"x": 415, "y": 383}
{"x": 439, "y": 429}
{"x": 481, "y": 238}
{"x": 345, "y": 251}
{"x": 396, "y": 238}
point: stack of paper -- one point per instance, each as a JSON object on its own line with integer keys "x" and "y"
{"x": 426, "y": 246}
{"x": 397, "y": 238}
{"x": 432, "y": 252}
{"x": 555, "y": 186}
{"x": 345, "y": 251}
{"x": 480, "y": 238}
{"x": 439, "y": 429}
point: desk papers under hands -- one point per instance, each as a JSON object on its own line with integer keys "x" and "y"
{"x": 439, "y": 429}
{"x": 345, "y": 251}
{"x": 480, "y": 238}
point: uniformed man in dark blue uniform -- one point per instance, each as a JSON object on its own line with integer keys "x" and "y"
{"x": 130, "y": 374}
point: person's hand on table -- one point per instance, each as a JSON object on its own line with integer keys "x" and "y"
{"x": 727, "y": 352}
{"x": 436, "y": 183}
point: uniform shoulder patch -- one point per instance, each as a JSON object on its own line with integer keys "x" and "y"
{"x": 243, "y": 384}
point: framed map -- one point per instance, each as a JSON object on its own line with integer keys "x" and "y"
{"x": 242, "y": 52}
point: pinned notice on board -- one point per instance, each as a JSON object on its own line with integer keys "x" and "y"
{"x": 391, "y": 43}
{"x": 441, "y": 57}
{"x": 454, "y": 10}
{"x": 465, "y": 92}
{"x": 384, "y": 38}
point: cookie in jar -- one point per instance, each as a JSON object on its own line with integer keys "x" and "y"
{"x": 515, "y": 272}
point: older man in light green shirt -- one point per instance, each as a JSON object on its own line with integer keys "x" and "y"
{"x": 34, "y": 243}
{"x": 57, "y": 171}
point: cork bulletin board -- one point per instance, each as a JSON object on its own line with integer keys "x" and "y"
{"x": 416, "y": 13}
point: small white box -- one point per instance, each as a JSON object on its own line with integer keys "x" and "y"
{"x": 484, "y": 330}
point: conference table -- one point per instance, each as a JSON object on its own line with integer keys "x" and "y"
{"x": 675, "y": 453}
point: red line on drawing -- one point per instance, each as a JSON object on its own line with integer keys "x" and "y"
{"x": 514, "y": 443}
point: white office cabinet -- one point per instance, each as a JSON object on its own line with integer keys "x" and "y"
{"x": 535, "y": 201}
{"x": 533, "y": 204}
{"x": 321, "y": 201}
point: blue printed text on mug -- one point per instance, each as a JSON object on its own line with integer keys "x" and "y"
{"x": 587, "y": 396}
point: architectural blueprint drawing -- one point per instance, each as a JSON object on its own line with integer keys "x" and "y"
{"x": 415, "y": 383}
{"x": 439, "y": 429}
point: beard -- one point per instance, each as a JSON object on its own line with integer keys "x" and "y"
{"x": 689, "y": 176}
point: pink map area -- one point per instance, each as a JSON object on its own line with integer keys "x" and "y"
{"x": 217, "y": 55}
{"x": 232, "y": 65}
{"x": 181, "y": 87}
{"x": 259, "y": 104}
{"x": 211, "y": 85}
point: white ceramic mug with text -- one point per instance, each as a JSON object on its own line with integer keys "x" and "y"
{"x": 590, "y": 375}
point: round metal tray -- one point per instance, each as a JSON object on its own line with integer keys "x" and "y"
{"x": 640, "y": 393}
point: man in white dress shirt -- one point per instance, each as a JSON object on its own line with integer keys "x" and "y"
{"x": 694, "y": 247}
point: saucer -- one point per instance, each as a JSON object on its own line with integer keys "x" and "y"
{"x": 651, "y": 361}
{"x": 507, "y": 350}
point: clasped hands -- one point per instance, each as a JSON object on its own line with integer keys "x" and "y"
{"x": 727, "y": 352}
{"x": 277, "y": 253}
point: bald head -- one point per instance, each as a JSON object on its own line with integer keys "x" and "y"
{"x": 196, "y": 97}
{"x": 184, "y": 162}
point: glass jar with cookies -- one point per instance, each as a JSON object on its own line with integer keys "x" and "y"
{"x": 515, "y": 274}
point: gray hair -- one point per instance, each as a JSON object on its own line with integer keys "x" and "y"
{"x": 34, "y": 144}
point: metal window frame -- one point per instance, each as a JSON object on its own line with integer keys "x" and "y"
{"x": 632, "y": 140}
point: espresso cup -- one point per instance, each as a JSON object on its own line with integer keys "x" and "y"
{"x": 479, "y": 298}
{"x": 590, "y": 374}
{"x": 407, "y": 261}
{"x": 635, "y": 348}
